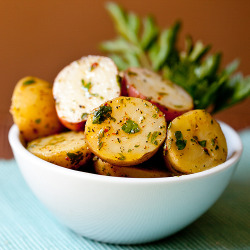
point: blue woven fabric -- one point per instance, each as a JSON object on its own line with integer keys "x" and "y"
{"x": 26, "y": 224}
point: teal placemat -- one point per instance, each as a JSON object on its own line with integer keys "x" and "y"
{"x": 26, "y": 224}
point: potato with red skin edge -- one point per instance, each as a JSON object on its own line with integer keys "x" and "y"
{"x": 170, "y": 98}
{"x": 125, "y": 131}
{"x": 143, "y": 170}
{"x": 33, "y": 108}
{"x": 82, "y": 86}
{"x": 195, "y": 142}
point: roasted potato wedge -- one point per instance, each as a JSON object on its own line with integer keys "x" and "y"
{"x": 170, "y": 98}
{"x": 68, "y": 149}
{"x": 195, "y": 142}
{"x": 139, "y": 171}
{"x": 125, "y": 131}
{"x": 82, "y": 86}
{"x": 33, "y": 108}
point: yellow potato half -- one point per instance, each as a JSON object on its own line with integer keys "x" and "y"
{"x": 125, "y": 131}
{"x": 33, "y": 108}
{"x": 68, "y": 149}
{"x": 195, "y": 142}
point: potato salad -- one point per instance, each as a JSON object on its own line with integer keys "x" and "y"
{"x": 131, "y": 123}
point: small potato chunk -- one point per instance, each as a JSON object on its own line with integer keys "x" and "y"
{"x": 33, "y": 108}
{"x": 125, "y": 131}
{"x": 195, "y": 142}
{"x": 68, "y": 149}
{"x": 83, "y": 86}
{"x": 143, "y": 170}
{"x": 170, "y": 98}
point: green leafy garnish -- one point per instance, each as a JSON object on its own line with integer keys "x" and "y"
{"x": 28, "y": 82}
{"x": 203, "y": 143}
{"x": 75, "y": 158}
{"x": 180, "y": 143}
{"x": 130, "y": 127}
{"x": 103, "y": 113}
{"x": 37, "y": 121}
{"x": 141, "y": 43}
{"x": 122, "y": 157}
{"x": 154, "y": 136}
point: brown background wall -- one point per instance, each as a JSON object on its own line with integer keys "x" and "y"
{"x": 40, "y": 37}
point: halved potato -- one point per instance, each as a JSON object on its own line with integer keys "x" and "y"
{"x": 68, "y": 149}
{"x": 170, "y": 98}
{"x": 82, "y": 86}
{"x": 143, "y": 170}
{"x": 33, "y": 108}
{"x": 125, "y": 131}
{"x": 195, "y": 142}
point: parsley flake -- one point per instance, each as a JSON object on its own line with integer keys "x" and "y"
{"x": 130, "y": 127}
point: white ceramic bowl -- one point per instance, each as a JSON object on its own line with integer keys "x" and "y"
{"x": 125, "y": 210}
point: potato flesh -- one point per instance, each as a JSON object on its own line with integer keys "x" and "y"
{"x": 151, "y": 85}
{"x": 68, "y": 149}
{"x": 109, "y": 142}
{"x": 33, "y": 108}
{"x": 205, "y": 143}
{"x": 141, "y": 171}
{"x": 84, "y": 85}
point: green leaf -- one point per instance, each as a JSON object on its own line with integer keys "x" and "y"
{"x": 161, "y": 51}
{"x": 130, "y": 127}
{"x": 103, "y": 113}
{"x": 209, "y": 67}
{"x": 198, "y": 52}
{"x": 150, "y": 32}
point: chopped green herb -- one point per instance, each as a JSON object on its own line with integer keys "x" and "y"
{"x": 84, "y": 115}
{"x": 119, "y": 80}
{"x": 130, "y": 127}
{"x": 203, "y": 143}
{"x": 213, "y": 142}
{"x": 37, "y": 121}
{"x": 86, "y": 86}
{"x": 178, "y": 135}
{"x": 148, "y": 136}
{"x": 181, "y": 144}
{"x": 178, "y": 106}
{"x": 136, "y": 146}
{"x": 129, "y": 150}
{"x": 169, "y": 125}
{"x": 28, "y": 82}
{"x": 122, "y": 157}
{"x": 100, "y": 144}
{"x": 217, "y": 147}
{"x": 154, "y": 115}
{"x": 75, "y": 158}
{"x": 103, "y": 113}
{"x": 154, "y": 136}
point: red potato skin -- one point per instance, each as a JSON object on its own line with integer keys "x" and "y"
{"x": 78, "y": 126}
{"x": 170, "y": 114}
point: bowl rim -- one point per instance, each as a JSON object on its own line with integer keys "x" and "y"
{"x": 17, "y": 146}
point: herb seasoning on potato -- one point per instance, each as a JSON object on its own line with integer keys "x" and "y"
{"x": 125, "y": 131}
{"x": 195, "y": 142}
